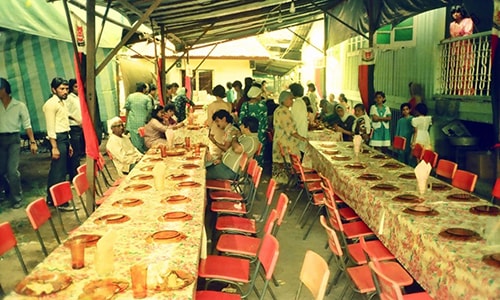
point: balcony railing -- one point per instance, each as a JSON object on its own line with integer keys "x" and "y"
{"x": 466, "y": 65}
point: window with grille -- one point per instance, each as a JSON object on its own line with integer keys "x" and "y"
{"x": 400, "y": 35}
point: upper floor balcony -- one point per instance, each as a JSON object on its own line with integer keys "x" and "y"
{"x": 465, "y": 67}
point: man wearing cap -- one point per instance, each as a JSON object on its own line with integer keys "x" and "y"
{"x": 57, "y": 124}
{"x": 125, "y": 156}
{"x": 13, "y": 116}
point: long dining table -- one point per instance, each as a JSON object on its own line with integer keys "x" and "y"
{"x": 446, "y": 238}
{"x": 159, "y": 226}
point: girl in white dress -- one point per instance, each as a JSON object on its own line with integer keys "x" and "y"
{"x": 421, "y": 123}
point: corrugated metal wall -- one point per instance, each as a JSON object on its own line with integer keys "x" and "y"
{"x": 30, "y": 62}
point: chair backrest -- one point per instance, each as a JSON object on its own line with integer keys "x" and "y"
{"x": 61, "y": 193}
{"x": 430, "y": 157}
{"x": 271, "y": 220}
{"x": 399, "y": 142}
{"x": 389, "y": 289}
{"x": 141, "y": 131}
{"x": 82, "y": 168}
{"x": 243, "y": 162}
{"x": 281, "y": 207}
{"x": 81, "y": 183}
{"x": 314, "y": 274}
{"x": 464, "y": 180}
{"x": 495, "y": 193}
{"x": 38, "y": 213}
{"x": 259, "y": 150}
{"x": 268, "y": 254}
{"x": 257, "y": 174}
{"x": 8, "y": 241}
{"x": 417, "y": 151}
{"x": 334, "y": 215}
{"x": 333, "y": 239}
{"x": 446, "y": 168}
{"x": 109, "y": 154}
{"x": 297, "y": 166}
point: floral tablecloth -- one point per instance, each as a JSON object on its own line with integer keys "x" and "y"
{"x": 132, "y": 245}
{"x": 447, "y": 269}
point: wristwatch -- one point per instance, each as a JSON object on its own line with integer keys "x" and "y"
{"x": 32, "y": 142}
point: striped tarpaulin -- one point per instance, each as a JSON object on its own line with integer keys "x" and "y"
{"x": 30, "y": 62}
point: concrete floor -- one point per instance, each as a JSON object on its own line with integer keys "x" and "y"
{"x": 290, "y": 235}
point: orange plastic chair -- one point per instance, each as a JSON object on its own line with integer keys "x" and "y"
{"x": 38, "y": 213}
{"x": 464, "y": 180}
{"x": 236, "y": 271}
{"x": 310, "y": 183}
{"x": 61, "y": 194}
{"x": 314, "y": 275}
{"x": 8, "y": 241}
{"x": 399, "y": 143}
{"x": 446, "y": 168}
{"x": 240, "y": 178}
{"x": 430, "y": 157}
{"x": 495, "y": 193}
{"x": 390, "y": 290}
{"x": 141, "y": 131}
{"x": 417, "y": 152}
{"x": 259, "y": 150}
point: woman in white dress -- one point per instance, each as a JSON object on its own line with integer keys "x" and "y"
{"x": 421, "y": 123}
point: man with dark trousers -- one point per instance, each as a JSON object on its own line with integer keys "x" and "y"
{"x": 57, "y": 123}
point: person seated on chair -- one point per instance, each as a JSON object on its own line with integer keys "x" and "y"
{"x": 245, "y": 140}
{"x": 154, "y": 130}
{"x": 125, "y": 155}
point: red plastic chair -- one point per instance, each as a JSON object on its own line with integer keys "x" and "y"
{"x": 243, "y": 207}
{"x": 430, "y": 157}
{"x": 310, "y": 183}
{"x": 388, "y": 289}
{"x": 243, "y": 245}
{"x": 495, "y": 193}
{"x": 236, "y": 194}
{"x": 259, "y": 150}
{"x": 360, "y": 276}
{"x": 314, "y": 275}
{"x": 141, "y": 131}
{"x": 38, "y": 213}
{"x": 351, "y": 230}
{"x": 464, "y": 180}
{"x": 237, "y": 224}
{"x": 399, "y": 143}
{"x": 61, "y": 194}
{"x": 346, "y": 213}
{"x": 81, "y": 185}
{"x": 237, "y": 270}
{"x": 233, "y": 184}
{"x": 8, "y": 241}
{"x": 446, "y": 169}
{"x": 417, "y": 152}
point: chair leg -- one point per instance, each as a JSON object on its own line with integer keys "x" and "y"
{"x": 54, "y": 231}
{"x": 44, "y": 250}
{"x": 312, "y": 223}
{"x": 58, "y": 212}
{"x": 84, "y": 206}
{"x": 21, "y": 260}
{"x": 76, "y": 213}
{"x": 292, "y": 208}
{"x": 297, "y": 294}
{"x": 304, "y": 212}
{"x": 2, "y": 293}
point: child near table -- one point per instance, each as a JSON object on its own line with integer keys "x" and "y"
{"x": 405, "y": 129}
{"x": 421, "y": 123}
{"x": 361, "y": 125}
{"x": 380, "y": 115}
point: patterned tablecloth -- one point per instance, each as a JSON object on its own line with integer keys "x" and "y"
{"x": 132, "y": 245}
{"x": 447, "y": 269}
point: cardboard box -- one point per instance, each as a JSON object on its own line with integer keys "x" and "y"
{"x": 481, "y": 163}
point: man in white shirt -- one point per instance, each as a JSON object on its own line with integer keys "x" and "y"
{"x": 13, "y": 116}
{"x": 75, "y": 122}
{"x": 57, "y": 123}
{"x": 124, "y": 155}
{"x": 299, "y": 113}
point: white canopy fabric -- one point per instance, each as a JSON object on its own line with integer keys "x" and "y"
{"x": 40, "y": 18}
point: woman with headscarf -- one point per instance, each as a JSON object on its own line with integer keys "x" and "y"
{"x": 327, "y": 109}
{"x": 254, "y": 107}
{"x": 344, "y": 123}
{"x": 180, "y": 102}
{"x": 220, "y": 93}
{"x": 285, "y": 135}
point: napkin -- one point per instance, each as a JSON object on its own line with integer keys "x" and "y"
{"x": 357, "y": 140}
{"x": 105, "y": 255}
{"x": 170, "y": 137}
{"x": 159, "y": 171}
{"x": 422, "y": 172}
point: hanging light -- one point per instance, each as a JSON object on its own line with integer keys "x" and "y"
{"x": 292, "y": 7}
